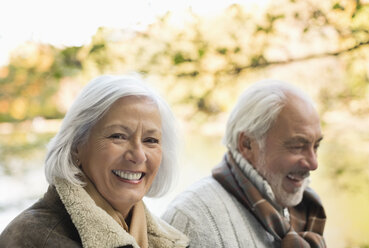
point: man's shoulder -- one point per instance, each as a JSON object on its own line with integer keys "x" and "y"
{"x": 203, "y": 192}
{"x": 212, "y": 217}
{"x": 206, "y": 201}
{"x": 198, "y": 212}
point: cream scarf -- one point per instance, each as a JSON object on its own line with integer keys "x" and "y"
{"x": 138, "y": 225}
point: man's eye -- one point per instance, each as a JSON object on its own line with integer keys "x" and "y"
{"x": 297, "y": 147}
{"x": 117, "y": 136}
{"x": 151, "y": 140}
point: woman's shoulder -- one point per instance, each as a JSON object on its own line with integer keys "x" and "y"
{"x": 40, "y": 224}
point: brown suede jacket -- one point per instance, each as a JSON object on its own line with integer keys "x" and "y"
{"x": 45, "y": 224}
{"x": 67, "y": 217}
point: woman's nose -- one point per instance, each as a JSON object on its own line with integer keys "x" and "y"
{"x": 135, "y": 153}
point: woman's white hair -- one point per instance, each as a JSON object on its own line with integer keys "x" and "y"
{"x": 256, "y": 110}
{"x": 91, "y": 104}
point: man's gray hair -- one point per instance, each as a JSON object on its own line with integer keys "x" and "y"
{"x": 257, "y": 109}
{"x": 90, "y": 106}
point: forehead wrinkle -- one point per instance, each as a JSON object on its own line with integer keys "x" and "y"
{"x": 297, "y": 139}
{"x": 150, "y": 131}
{"x": 153, "y": 131}
{"x": 302, "y": 139}
{"x": 125, "y": 128}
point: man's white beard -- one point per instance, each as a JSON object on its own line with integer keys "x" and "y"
{"x": 285, "y": 199}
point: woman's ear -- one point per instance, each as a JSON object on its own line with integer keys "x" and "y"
{"x": 246, "y": 147}
{"x": 75, "y": 157}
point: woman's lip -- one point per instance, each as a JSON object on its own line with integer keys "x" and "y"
{"x": 128, "y": 171}
{"x": 129, "y": 181}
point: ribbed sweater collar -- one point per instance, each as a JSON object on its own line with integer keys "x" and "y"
{"x": 260, "y": 183}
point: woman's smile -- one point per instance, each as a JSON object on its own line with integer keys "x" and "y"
{"x": 129, "y": 176}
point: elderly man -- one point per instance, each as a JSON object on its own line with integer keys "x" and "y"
{"x": 258, "y": 195}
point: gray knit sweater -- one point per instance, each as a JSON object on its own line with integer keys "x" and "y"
{"x": 211, "y": 217}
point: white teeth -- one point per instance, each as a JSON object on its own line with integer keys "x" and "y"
{"x": 128, "y": 175}
{"x": 292, "y": 177}
{"x": 297, "y": 177}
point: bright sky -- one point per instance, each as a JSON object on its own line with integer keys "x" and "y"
{"x": 73, "y": 22}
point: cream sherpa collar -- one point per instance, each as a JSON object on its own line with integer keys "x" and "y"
{"x": 97, "y": 229}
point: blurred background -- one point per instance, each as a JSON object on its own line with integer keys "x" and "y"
{"x": 199, "y": 55}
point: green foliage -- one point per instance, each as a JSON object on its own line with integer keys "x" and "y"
{"x": 338, "y": 6}
{"x": 179, "y": 58}
{"x": 204, "y": 58}
{"x": 31, "y": 80}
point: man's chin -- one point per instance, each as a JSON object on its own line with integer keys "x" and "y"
{"x": 284, "y": 196}
{"x": 291, "y": 199}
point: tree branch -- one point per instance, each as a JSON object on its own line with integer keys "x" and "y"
{"x": 265, "y": 63}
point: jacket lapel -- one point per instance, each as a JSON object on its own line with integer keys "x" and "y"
{"x": 98, "y": 229}
{"x": 95, "y": 227}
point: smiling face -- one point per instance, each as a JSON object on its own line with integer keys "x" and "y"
{"x": 290, "y": 151}
{"x": 123, "y": 152}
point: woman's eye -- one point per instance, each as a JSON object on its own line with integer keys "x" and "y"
{"x": 117, "y": 136}
{"x": 151, "y": 140}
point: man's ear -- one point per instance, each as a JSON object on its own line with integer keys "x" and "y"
{"x": 246, "y": 147}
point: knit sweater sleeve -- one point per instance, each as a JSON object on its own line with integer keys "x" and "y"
{"x": 197, "y": 228}
{"x": 211, "y": 217}
{"x": 183, "y": 223}
{"x": 193, "y": 213}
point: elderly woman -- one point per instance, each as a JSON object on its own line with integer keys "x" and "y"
{"x": 116, "y": 145}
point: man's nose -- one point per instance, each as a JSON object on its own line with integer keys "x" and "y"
{"x": 310, "y": 161}
{"x": 135, "y": 153}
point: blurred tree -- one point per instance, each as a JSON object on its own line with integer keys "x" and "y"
{"x": 203, "y": 63}
{"x": 210, "y": 55}
{"x": 30, "y": 81}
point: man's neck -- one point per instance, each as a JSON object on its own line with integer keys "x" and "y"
{"x": 260, "y": 183}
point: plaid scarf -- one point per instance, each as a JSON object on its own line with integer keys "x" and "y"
{"x": 307, "y": 218}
